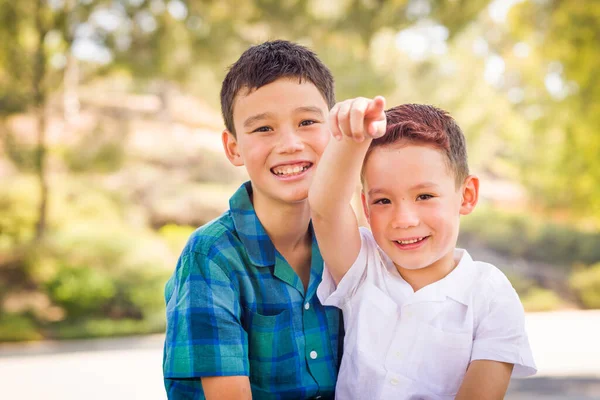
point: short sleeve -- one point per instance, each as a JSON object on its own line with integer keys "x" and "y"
{"x": 329, "y": 294}
{"x": 204, "y": 334}
{"x": 500, "y": 332}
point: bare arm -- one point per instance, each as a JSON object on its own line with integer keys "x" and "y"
{"x": 485, "y": 380}
{"x": 227, "y": 388}
{"x": 354, "y": 122}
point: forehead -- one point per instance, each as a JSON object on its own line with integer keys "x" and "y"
{"x": 279, "y": 97}
{"x": 401, "y": 167}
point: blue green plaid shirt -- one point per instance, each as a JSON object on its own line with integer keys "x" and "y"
{"x": 236, "y": 307}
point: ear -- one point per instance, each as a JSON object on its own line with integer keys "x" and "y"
{"x": 470, "y": 194}
{"x": 230, "y": 145}
{"x": 363, "y": 199}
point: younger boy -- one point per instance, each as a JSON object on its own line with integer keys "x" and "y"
{"x": 423, "y": 320}
{"x": 243, "y": 318}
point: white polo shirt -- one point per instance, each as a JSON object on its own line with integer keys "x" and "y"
{"x": 405, "y": 345}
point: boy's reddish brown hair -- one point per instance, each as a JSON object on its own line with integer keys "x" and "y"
{"x": 427, "y": 125}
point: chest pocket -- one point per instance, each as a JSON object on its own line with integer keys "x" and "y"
{"x": 444, "y": 358}
{"x": 271, "y": 349}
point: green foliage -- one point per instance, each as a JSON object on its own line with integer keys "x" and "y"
{"x": 533, "y": 297}
{"x": 101, "y": 150}
{"x": 17, "y": 212}
{"x": 81, "y": 290}
{"x": 585, "y": 282}
{"x": 540, "y": 299}
{"x": 176, "y": 236}
{"x": 22, "y": 155}
{"x": 563, "y": 38}
{"x": 521, "y": 235}
{"x": 106, "y": 327}
{"x": 95, "y": 271}
{"x": 16, "y": 327}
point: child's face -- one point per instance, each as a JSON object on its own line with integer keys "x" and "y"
{"x": 413, "y": 205}
{"x": 281, "y": 133}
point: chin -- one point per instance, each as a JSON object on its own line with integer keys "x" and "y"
{"x": 412, "y": 264}
{"x": 294, "y": 196}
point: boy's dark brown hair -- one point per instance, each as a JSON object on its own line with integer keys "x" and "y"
{"x": 265, "y": 63}
{"x": 428, "y": 125}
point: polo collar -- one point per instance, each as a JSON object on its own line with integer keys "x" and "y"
{"x": 457, "y": 284}
{"x": 258, "y": 244}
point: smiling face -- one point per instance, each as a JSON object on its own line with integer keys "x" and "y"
{"x": 413, "y": 205}
{"x": 281, "y": 133}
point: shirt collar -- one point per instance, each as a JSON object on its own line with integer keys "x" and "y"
{"x": 458, "y": 282}
{"x": 257, "y": 243}
{"x": 455, "y": 285}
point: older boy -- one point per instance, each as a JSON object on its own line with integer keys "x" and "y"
{"x": 423, "y": 320}
{"x": 243, "y": 318}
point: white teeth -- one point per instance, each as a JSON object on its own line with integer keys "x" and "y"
{"x": 410, "y": 241}
{"x": 289, "y": 170}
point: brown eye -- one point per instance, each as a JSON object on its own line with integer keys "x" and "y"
{"x": 424, "y": 197}
{"x": 262, "y": 129}
{"x": 382, "y": 201}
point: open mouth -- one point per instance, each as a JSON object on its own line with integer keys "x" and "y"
{"x": 291, "y": 170}
{"x": 412, "y": 243}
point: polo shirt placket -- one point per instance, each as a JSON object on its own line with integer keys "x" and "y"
{"x": 234, "y": 297}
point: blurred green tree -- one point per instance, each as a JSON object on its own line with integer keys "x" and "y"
{"x": 562, "y": 86}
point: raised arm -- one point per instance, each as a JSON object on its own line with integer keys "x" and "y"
{"x": 353, "y": 124}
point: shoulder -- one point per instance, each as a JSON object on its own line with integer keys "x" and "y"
{"x": 366, "y": 235}
{"x": 494, "y": 295}
{"x": 214, "y": 237}
{"x": 216, "y": 242}
{"x": 491, "y": 280}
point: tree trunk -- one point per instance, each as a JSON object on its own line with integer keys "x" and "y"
{"x": 71, "y": 74}
{"x": 39, "y": 102}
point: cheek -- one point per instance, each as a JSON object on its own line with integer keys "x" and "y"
{"x": 319, "y": 141}
{"x": 443, "y": 219}
{"x": 377, "y": 219}
{"x": 257, "y": 150}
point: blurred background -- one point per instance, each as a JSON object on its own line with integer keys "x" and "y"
{"x": 110, "y": 157}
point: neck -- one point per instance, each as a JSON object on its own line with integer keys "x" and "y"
{"x": 286, "y": 224}
{"x": 421, "y": 277}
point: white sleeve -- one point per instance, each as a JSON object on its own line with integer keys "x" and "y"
{"x": 329, "y": 294}
{"x": 500, "y": 333}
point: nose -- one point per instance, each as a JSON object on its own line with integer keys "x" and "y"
{"x": 404, "y": 217}
{"x": 290, "y": 141}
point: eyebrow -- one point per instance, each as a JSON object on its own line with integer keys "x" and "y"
{"x": 266, "y": 115}
{"x": 423, "y": 185}
{"x": 256, "y": 118}
{"x": 311, "y": 109}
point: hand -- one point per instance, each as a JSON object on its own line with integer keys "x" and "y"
{"x": 358, "y": 119}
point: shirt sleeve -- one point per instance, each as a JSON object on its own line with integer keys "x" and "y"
{"x": 500, "y": 333}
{"x": 329, "y": 294}
{"x": 204, "y": 334}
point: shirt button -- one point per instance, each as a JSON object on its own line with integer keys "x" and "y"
{"x": 394, "y": 381}
{"x": 313, "y": 354}
{"x": 306, "y": 306}
{"x": 398, "y": 354}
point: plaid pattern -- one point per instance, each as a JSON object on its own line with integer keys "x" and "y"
{"x": 236, "y": 307}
